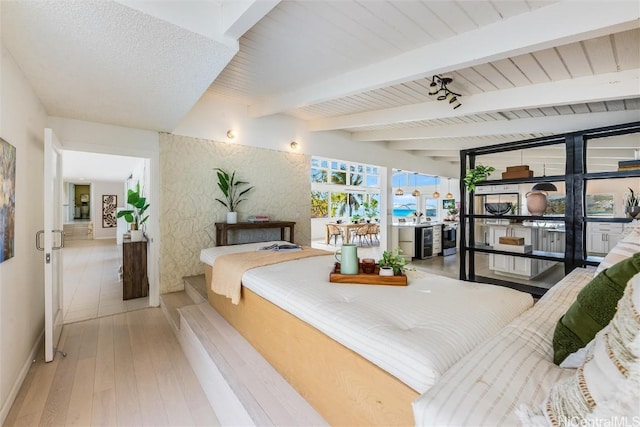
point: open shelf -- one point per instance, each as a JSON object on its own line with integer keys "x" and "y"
{"x": 575, "y": 148}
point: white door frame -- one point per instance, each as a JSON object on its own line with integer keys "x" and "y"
{"x": 102, "y": 142}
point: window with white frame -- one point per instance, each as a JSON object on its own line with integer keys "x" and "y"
{"x": 342, "y": 189}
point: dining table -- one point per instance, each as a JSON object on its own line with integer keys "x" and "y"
{"x": 345, "y": 228}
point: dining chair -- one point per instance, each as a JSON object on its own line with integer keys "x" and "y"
{"x": 334, "y": 232}
{"x": 374, "y": 232}
{"x": 360, "y": 233}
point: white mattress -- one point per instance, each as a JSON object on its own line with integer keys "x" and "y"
{"x": 515, "y": 367}
{"x": 415, "y": 332}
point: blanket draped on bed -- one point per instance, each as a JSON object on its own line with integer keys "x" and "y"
{"x": 227, "y": 270}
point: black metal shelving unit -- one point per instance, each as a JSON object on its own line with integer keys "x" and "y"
{"x": 576, "y": 178}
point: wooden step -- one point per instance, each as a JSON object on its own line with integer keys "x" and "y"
{"x": 241, "y": 385}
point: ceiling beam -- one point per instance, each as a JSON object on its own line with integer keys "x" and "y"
{"x": 552, "y": 125}
{"x": 609, "y": 86}
{"x": 239, "y": 16}
{"x": 480, "y": 46}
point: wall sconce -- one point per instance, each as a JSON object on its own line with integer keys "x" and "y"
{"x": 294, "y": 145}
{"x": 231, "y": 134}
{"x": 439, "y": 87}
{"x": 436, "y": 195}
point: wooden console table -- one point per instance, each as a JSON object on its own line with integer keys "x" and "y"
{"x": 222, "y": 229}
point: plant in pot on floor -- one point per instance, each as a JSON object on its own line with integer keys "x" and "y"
{"x": 135, "y": 216}
{"x": 392, "y": 263}
{"x": 232, "y": 188}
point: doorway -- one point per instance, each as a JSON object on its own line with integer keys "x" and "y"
{"x": 95, "y": 187}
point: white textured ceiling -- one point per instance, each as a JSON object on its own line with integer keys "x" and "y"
{"x": 524, "y": 68}
{"x": 79, "y": 166}
{"x": 105, "y": 62}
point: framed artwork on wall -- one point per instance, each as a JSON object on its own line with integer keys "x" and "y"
{"x": 109, "y": 205}
{"x": 448, "y": 204}
{"x": 7, "y": 200}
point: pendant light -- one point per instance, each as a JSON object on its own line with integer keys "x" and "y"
{"x": 449, "y": 195}
{"x": 436, "y": 195}
{"x": 399, "y": 191}
{"x": 415, "y": 192}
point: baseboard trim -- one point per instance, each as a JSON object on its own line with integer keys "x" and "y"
{"x": 6, "y": 406}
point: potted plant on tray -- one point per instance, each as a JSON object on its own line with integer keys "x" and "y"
{"x": 135, "y": 216}
{"x": 233, "y": 192}
{"x": 392, "y": 263}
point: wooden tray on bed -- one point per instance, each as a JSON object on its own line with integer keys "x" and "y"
{"x": 366, "y": 279}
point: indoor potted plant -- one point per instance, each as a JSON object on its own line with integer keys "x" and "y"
{"x": 476, "y": 175}
{"x": 392, "y": 263}
{"x": 233, "y": 192}
{"x": 135, "y": 216}
{"x": 631, "y": 204}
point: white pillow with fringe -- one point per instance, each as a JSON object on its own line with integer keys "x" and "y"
{"x": 605, "y": 389}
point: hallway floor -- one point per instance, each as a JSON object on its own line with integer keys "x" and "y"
{"x": 92, "y": 287}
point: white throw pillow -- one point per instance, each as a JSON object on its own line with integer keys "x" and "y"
{"x": 574, "y": 360}
{"x": 623, "y": 250}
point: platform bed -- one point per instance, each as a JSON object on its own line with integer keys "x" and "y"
{"x": 348, "y": 387}
{"x": 342, "y": 386}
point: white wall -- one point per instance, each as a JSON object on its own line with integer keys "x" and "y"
{"x": 22, "y": 123}
{"x": 98, "y": 189}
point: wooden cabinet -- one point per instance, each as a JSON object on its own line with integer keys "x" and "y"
{"x": 135, "y": 283}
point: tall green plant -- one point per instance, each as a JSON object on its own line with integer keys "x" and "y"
{"x": 476, "y": 175}
{"x": 135, "y": 216}
{"x": 232, "y": 189}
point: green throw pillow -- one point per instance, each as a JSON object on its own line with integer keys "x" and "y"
{"x": 593, "y": 308}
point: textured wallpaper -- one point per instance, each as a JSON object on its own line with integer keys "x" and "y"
{"x": 189, "y": 189}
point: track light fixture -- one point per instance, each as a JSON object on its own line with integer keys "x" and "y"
{"x": 439, "y": 87}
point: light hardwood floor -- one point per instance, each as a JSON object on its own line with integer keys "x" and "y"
{"x": 124, "y": 369}
{"x": 92, "y": 287}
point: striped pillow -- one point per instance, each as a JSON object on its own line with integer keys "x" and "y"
{"x": 606, "y": 387}
{"x": 624, "y": 249}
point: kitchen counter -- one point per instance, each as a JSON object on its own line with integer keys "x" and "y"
{"x": 404, "y": 235}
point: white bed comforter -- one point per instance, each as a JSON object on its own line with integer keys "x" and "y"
{"x": 415, "y": 332}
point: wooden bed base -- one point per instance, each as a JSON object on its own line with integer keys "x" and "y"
{"x": 341, "y": 385}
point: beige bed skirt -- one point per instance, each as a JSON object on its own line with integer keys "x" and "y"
{"x": 345, "y": 388}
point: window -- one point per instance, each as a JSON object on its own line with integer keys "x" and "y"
{"x": 343, "y": 189}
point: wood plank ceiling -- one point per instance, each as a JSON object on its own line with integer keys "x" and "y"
{"x": 364, "y": 67}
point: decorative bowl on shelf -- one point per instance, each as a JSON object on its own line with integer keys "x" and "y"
{"x": 498, "y": 208}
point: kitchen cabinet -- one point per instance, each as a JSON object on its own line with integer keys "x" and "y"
{"x": 406, "y": 241}
{"x": 437, "y": 240}
{"x": 602, "y": 236}
{"x": 405, "y": 237}
{"x": 541, "y": 239}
